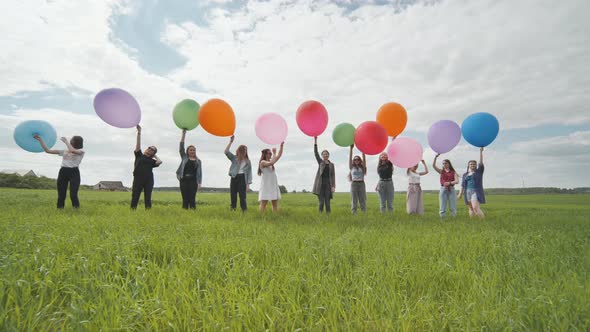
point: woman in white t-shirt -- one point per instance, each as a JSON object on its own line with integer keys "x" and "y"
{"x": 414, "y": 204}
{"x": 69, "y": 172}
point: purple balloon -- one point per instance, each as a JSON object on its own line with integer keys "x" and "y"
{"x": 118, "y": 108}
{"x": 443, "y": 136}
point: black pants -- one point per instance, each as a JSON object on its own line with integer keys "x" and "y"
{"x": 71, "y": 176}
{"x": 238, "y": 186}
{"x": 145, "y": 184}
{"x": 324, "y": 197}
{"x": 188, "y": 190}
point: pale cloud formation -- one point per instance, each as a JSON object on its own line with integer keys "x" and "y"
{"x": 524, "y": 61}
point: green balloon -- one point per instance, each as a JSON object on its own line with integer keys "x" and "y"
{"x": 343, "y": 134}
{"x": 186, "y": 114}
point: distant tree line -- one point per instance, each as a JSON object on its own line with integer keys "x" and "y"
{"x": 29, "y": 182}
{"x": 42, "y": 182}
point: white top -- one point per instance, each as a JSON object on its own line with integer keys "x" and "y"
{"x": 269, "y": 185}
{"x": 242, "y": 165}
{"x": 413, "y": 178}
{"x": 71, "y": 160}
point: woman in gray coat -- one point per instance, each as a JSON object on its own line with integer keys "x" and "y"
{"x": 325, "y": 179}
{"x": 189, "y": 173}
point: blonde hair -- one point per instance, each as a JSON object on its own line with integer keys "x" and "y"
{"x": 242, "y": 153}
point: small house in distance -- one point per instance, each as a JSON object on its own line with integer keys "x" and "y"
{"x": 110, "y": 186}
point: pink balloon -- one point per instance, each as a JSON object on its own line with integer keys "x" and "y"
{"x": 370, "y": 137}
{"x": 271, "y": 128}
{"x": 312, "y": 118}
{"x": 404, "y": 152}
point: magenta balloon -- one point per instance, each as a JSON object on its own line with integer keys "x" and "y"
{"x": 117, "y": 108}
{"x": 370, "y": 137}
{"x": 443, "y": 136}
{"x": 404, "y": 152}
{"x": 312, "y": 118}
{"x": 271, "y": 128}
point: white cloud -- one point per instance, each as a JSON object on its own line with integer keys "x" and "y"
{"x": 445, "y": 60}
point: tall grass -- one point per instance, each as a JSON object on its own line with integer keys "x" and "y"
{"x": 525, "y": 267}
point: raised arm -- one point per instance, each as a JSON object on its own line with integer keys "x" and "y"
{"x": 70, "y": 147}
{"x": 315, "y": 150}
{"x": 481, "y": 156}
{"x": 425, "y": 169}
{"x": 231, "y": 140}
{"x": 438, "y": 170}
{"x": 350, "y": 157}
{"x": 364, "y": 164}
{"x": 275, "y": 157}
{"x": 44, "y": 146}
{"x": 138, "y": 141}
{"x": 181, "y": 145}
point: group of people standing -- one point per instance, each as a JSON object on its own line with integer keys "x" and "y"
{"x": 471, "y": 184}
{"x": 189, "y": 175}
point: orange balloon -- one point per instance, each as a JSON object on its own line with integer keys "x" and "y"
{"x": 393, "y": 117}
{"x": 217, "y": 118}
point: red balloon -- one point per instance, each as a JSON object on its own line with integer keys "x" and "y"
{"x": 370, "y": 137}
{"x": 312, "y": 118}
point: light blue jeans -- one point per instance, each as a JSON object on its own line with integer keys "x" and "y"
{"x": 449, "y": 196}
{"x": 386, "y": 195}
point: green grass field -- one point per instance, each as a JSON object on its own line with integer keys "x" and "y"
{"x": 104, "y": 267}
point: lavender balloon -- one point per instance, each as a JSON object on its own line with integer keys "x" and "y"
{"x": 443, "y": 136}
{"x": 118, "y": 108}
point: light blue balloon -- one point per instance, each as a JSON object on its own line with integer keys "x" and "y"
{"x": 480, "y": 129}
{"x": 24, "y": 132}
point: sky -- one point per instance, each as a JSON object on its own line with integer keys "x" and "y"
{"x": 525, "y": 61}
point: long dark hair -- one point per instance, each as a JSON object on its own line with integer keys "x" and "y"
{"x": 360, "y": 164}
{"x": 451, "y": 165}
{"x": 263, "y": 157}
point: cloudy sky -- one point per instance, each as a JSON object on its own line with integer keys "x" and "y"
{"x": 525, "y": 61}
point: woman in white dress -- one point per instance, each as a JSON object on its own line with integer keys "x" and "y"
{"x": 269, "y": 185}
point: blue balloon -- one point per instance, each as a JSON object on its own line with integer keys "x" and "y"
{"x": 24, "y": 132}
{"x": 480, "y": 129}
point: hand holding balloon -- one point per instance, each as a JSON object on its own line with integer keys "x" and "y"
{"x": 29, "y": 134}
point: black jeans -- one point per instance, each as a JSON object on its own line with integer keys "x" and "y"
{"x": 238, "y": 186}
{"x": 145, "y": 184}
{"x": 67, "y": 175}
{"x": 188, "y": 190}
{"x": 324, "y": 197}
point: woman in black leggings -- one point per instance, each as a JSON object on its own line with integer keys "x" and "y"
{"x": 69, "y": 172}
{"x": 189, "y": 173}
{"x": 143, "y": 177}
